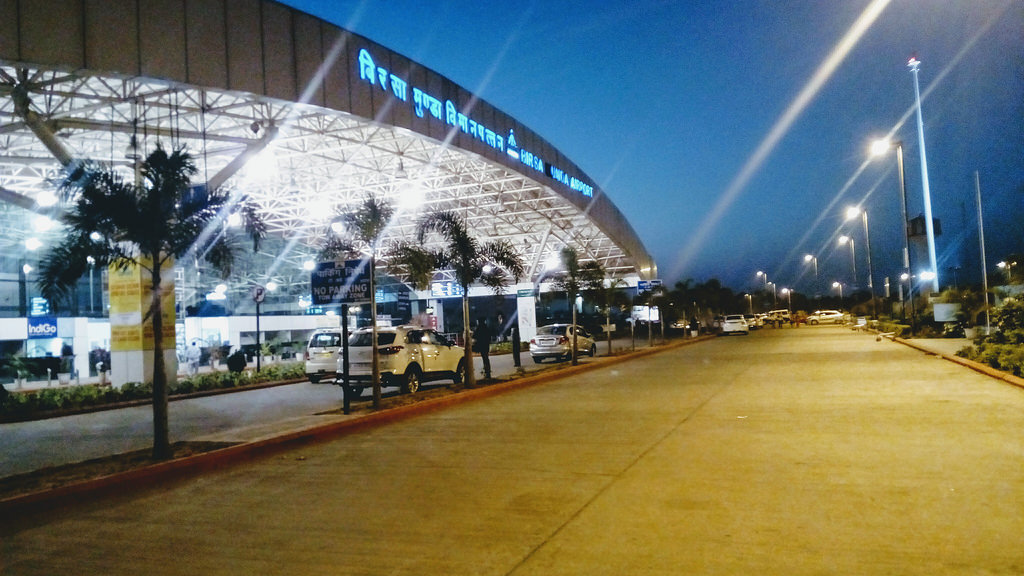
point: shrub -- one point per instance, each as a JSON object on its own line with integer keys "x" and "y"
{"x": 1010, "y": 316}
{"x": 24, "y": 404}
{"x": 1011, "y": 359}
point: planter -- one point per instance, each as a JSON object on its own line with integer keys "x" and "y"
{"x": 64, "y": 378}
{"x": 971, "y": 333}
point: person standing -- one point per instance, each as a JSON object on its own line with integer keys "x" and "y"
{"x": 482, "y": 344}
{"x": 192, "y": 356}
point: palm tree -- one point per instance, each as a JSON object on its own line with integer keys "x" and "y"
{"x": 574, "y": 278}
{"x": 148, "y": 223}
{"x": 366, "y": 226}
{"x": 490, "y": 263}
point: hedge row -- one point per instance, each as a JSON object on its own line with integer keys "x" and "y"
{"x": 45, "y": 401}
{"x": 1002, "y": 351}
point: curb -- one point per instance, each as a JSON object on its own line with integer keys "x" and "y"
{"x": 139, "y": 478}
{"x": 976, "y": 366}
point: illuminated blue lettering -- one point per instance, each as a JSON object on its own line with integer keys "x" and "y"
{"x": 417, "y": 98}
{"x": 366, "y": 66}
{"x": 581, "y": 186}
{"x": 398, "y": 87}
{"x": 527, "y": 157}
{"x": 448, "y": 112}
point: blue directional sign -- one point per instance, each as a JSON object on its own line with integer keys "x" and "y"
{"x": 646, "y": 285}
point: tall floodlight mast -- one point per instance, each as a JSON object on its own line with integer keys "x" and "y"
{"x": 929, "y": 227}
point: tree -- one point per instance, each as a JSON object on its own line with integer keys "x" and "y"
{"x": 611, "y": 295}
{"x": 366, "y": 226}
{"x": 148, "y": 222}
{"x": 492, "y": 264}
{"x": 574, "y": 278}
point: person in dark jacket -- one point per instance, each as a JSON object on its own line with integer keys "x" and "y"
{"x": 482, "y": 344}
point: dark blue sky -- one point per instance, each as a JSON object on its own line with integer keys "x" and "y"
{"x": 677, "y": 109}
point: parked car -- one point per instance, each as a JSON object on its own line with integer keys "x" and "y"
{"x": 777, "y": 317}
{"x": 407, "y": 356}
{"x": 753, "y": 321}
{"x": 826, "y": 317}
{"x": 555, "y": 341}
{"x": 322, "y": 354}
{"x": 735, "y": 324}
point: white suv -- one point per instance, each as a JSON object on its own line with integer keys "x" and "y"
{"x": 826, "y": 317}
{"x": 408, "y": 355}
{"x": 322, "y": 354}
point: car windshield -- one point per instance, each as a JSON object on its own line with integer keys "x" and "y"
{"x": 325, "y": 340}
{"x": 366, "y": 339}
{"x": 551, "y": 330}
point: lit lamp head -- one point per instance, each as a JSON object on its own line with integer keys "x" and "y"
{"x": 880, "y": 147}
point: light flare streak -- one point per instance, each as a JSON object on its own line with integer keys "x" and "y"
{"x": 779, "y": 129}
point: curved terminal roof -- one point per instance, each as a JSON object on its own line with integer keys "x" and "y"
{"x": 304, "y": 117}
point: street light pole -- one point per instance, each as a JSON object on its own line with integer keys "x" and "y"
{"x": 929, "y": 226}
{"x": 880, "y": 147}
{"x": 853, "y": 255}
{"x": 839, "y": 285}
{"x": 852, "y": 213}
{"x": 984, "y": 268}
{"x": 817, "y": 287}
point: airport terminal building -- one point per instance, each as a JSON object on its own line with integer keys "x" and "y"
{"x": 307, "y": 120}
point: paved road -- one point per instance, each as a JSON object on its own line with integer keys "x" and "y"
{"x": 236, "y": 417}
{"x": 807, "y": 451}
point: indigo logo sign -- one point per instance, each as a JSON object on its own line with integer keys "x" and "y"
{"x": 42, "y": 327}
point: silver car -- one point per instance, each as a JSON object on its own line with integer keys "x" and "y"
{"x": 555, "y": 341}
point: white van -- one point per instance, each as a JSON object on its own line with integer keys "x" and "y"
{"x": 322, "y": 354}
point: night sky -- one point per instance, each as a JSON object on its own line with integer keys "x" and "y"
{"x": 725, "y": 136}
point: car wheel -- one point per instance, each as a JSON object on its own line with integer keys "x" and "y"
{"x": 460, "y": 373}
{"x": 593, "y": 350}
{"x": 314, "y": 378}
{"x": 411, "y": 382}
{"x": 538, "y": 360}
{"x": 812, "y": 322}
